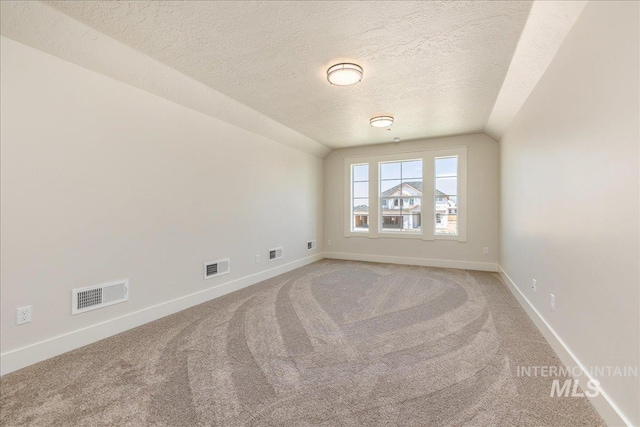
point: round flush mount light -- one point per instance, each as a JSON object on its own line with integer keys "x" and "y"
{"x": 381, "y": 121}
{"x": 344, "y": 74}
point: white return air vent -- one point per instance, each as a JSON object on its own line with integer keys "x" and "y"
{"x": 311, "y": 244}
{"x": 217, "y": 268}
{"x": 275, "y": 253}
{"x": 98, "y": 296}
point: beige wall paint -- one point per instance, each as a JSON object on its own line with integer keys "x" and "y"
{"x": 482, "y": 219}
{"x": 569, "y": 195}
{"x": 103, "y": 181}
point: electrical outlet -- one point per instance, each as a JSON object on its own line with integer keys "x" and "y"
{"x": 329, "y": 242}
{"x": 485, "y": 250}
{"x": 23, "y": 315}
{"x": 553, "y": 302}
{"x": 257, "y": 259}
{"x": 534, "y": 285}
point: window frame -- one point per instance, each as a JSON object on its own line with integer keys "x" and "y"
{"x": 446, "y": 236}
{"x": 352, "y": 214}
{"x": 397, "y": 202}
{"x": 427, "y": 217}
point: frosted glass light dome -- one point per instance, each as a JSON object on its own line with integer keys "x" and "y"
{"x": 345, "y": 74}
{"x": 381, "y": 121}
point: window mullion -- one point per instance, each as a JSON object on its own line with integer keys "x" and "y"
{"x": 428, "y": 196}
{"x": 374, "y": 201}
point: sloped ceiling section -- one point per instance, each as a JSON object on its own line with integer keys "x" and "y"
{"x": 548, "y": 24}
{"x": 436, "y": 66}
{"x": 38, "y": 25}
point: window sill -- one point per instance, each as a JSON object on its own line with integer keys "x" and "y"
{"x": 453, "y": 237}
{"x": 357, "y": 234}
{"x": 401, "y": 235}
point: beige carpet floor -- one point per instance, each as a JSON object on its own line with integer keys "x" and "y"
{"x": 335, "y": 343}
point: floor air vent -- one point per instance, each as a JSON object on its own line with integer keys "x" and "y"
{"x": 217, "y": 268}
{"x": 311, "y": 244}
{"x": 275, "y": 253}
{"x": 98, "y": 296}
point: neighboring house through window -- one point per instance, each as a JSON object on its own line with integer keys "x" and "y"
{"x": 360, "y": 197}
{"x": 402, "y": 183}
{"x": 446, "y": 195}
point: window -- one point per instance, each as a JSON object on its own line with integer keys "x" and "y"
{"x": 446, "y": 195}
{"x": 392, "y": 221}
{"x": 413, "y": 195}
{"x": 361, "y": 221}
{"x": 400, "y": 193}
{"x": 360, "y": 197}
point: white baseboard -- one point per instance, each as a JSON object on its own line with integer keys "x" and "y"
{"x": 607, "y": 409}
{"x": 424, "y": 262}
{"x": 22, "y": 357}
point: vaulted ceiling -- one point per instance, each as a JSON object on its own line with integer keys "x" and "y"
{"x": 438, "y": 67}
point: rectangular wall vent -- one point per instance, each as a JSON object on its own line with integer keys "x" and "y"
{"x": 311, "y": 244}
{"x": 217, "y": 268}
{"x": 275, "y": 253}
{"x": 98, "y": 296}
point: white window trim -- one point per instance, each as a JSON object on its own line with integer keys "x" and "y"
{"x": 349, "y": 201}
{"x": 428, "y": 183}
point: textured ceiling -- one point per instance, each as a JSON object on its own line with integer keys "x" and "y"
{"x": 436, "y": 66}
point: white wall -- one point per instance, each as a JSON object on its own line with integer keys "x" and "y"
{"x": 569, "y": 195}
{"x": 482, "y": 218}
{"x": 103, "y": 181}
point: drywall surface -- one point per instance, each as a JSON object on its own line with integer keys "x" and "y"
{"x": 102, "y": 181}
{"x": 482, "y": 215}
{"x": 39, "y": 25}
{"x": 547, "y": 26}
{"x": 569, "y": 196}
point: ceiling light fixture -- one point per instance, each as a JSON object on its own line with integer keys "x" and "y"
{"x": 344, "y": 74}
{"x": 381, "y": 121}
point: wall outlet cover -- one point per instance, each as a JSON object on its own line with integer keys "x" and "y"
{"x": 23, "y": 315}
